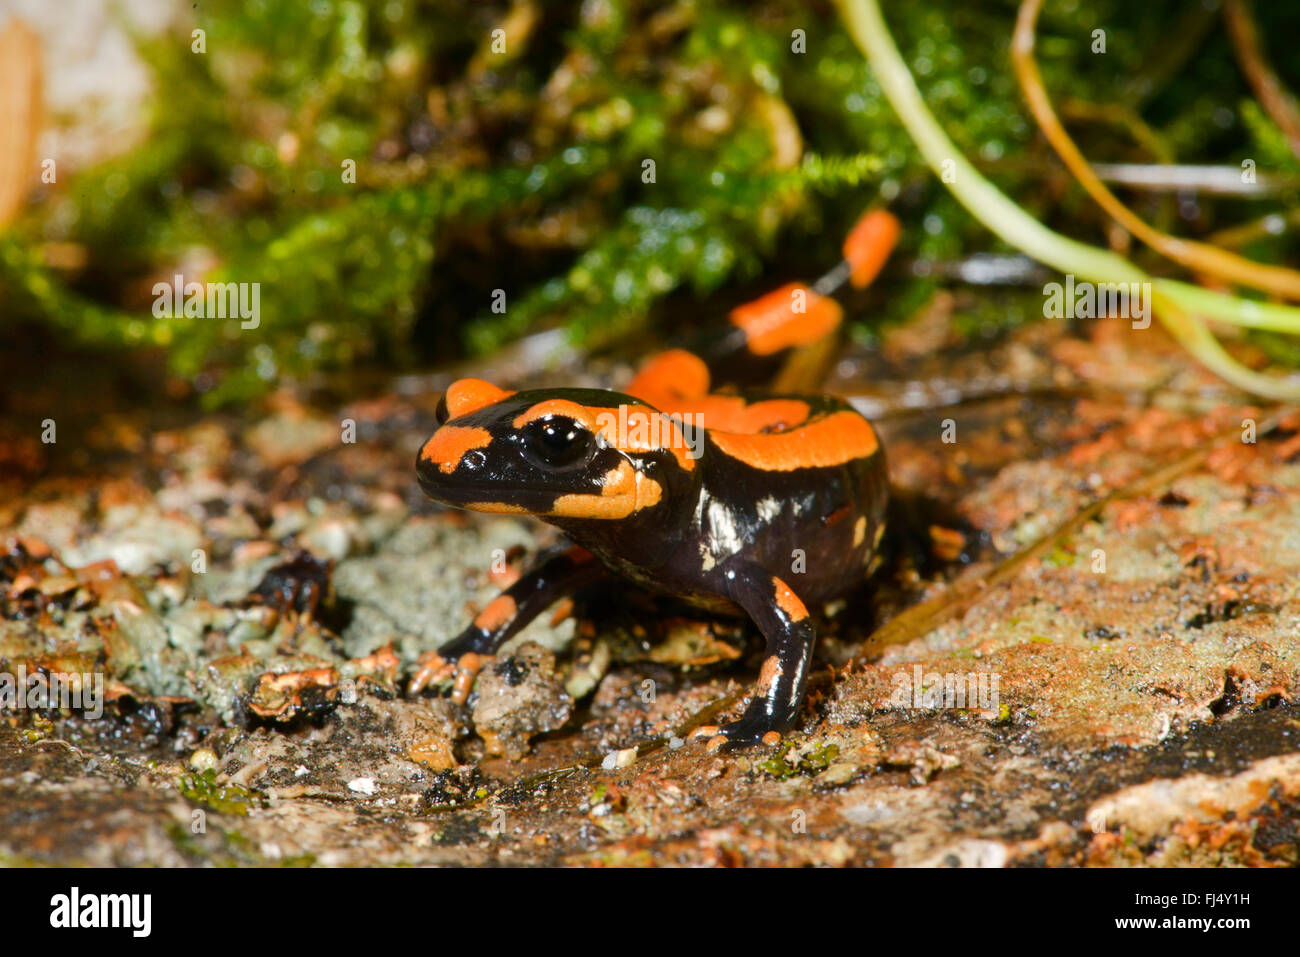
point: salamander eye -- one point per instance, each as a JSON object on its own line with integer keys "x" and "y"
{"x": 558, "y": 442}
{"x": 441, "y": 413}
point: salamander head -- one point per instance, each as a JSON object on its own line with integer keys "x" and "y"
{"x": 567, "y": 453}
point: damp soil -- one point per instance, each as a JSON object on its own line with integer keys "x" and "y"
{"x": 255, "y": 589}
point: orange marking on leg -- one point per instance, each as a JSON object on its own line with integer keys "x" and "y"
{"x": 430, "y": 667}
{"x": 869, "y": 244}
{"x": 789, "y": 603}
{"x": 467, "y": 669}
{"x": 450, "y": 443}
{"x": 562, "y": 611}
{"x": 826, "y": 441}
{"x": 770, "y": 672}
{"x": 469, "y": 395}
{"x": 496, "y": 613}
{"x": 771, "y": 323}
{"x": 671, "y": 378}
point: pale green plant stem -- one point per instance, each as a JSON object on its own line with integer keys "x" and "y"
{"x": 1178, "y": 305}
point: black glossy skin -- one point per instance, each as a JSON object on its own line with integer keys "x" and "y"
{"x": 723, "y": 535}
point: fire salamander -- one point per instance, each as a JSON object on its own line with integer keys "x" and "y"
{"x": 764, "y": 505}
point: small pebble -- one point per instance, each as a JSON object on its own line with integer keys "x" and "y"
{"x": 203, "y": 759}
{"x": 619, "y": 759}
{"x": 675, "y": 742}
{"x": 347, "y": 691}
{"x": 362, "y": 785}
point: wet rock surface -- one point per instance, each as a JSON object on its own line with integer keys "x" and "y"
{"x": 254, "y": 595}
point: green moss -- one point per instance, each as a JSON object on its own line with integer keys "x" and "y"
{"x": 807, "y": 764}
{"x": 222, "y": 798}
{"x": 525, "y": 171}
{"x": 235, "y": 850}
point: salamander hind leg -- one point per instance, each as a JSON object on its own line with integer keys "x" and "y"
{"x": 786, "y": 626}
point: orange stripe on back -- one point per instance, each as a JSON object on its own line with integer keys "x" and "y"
{"x": 670, "y": 378}
{"x": 771, "y": 323}
{"x": 824, "y": 442}
{"x": 732, "y": 413}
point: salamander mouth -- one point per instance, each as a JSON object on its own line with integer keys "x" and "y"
{"x": 481, "y": 498}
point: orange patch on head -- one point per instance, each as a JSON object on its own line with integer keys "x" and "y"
{"x": 624, "y": 491}
{"x": 571, "y": 410}
{"x": 825, "y": 442}
{"x": 469, "y": 395}
{"x": 639, "y": 428}
{"x": 771, "y": 322}
{"x": 789, "y": 603}
{"x": 496, "y": 613}
{"x": 869, "y": 244}
{"x": 450, "y": 443}
{"x": 671, "y": 378}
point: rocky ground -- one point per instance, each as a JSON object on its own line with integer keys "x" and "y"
{"x": 255, "y": 591}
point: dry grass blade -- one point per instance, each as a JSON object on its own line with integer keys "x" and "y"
{"x": 20, "y": 115}
{"x": 1187, "y": 252}
{"x": 1017, "y": 228}
{"x": 1272, "y": 95}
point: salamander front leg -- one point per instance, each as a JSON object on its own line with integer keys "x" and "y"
{"x": 504, "y": 616}
{"x": 785, "y": 623}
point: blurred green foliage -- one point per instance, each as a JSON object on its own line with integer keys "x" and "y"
{"x": 525, "y": 170}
